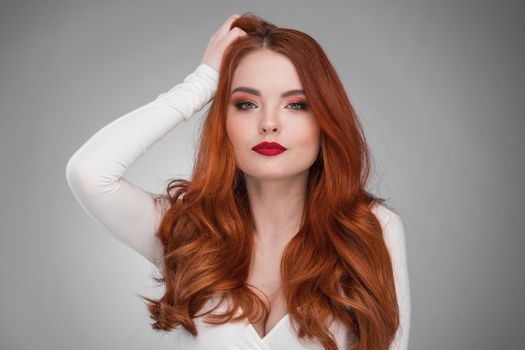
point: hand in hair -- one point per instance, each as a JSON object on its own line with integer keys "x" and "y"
{"x": 219, "y": 41}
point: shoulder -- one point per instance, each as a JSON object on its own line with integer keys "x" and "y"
{"x": 384, "y": 214}
{"x": 392, "y": 225}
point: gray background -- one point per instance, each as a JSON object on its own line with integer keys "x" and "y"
{"x": 439, "y": 86}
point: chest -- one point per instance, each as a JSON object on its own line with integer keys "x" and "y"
{"x": 265, "y": 275}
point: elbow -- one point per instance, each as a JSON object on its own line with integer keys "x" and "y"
{"x": 85, "y": 177}
{"x": 75, "y": 173}
{"x": 80, "y": 176}
{"x": 71, "y": 171}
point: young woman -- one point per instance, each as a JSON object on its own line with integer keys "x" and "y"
{"x": 273, "y": 243}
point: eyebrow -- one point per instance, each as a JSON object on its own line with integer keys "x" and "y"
{"x": 258, "y": 93}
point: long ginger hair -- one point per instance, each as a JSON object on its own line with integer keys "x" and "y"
{"x": 337, "y": 265}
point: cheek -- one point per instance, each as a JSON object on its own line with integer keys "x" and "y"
{"x": 308, "y": 134}
{"x": 236, "y": 131}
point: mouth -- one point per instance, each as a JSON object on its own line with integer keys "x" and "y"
{"x": 269, "y": 148}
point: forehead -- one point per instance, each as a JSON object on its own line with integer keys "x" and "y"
{"x": 266, "y": 69}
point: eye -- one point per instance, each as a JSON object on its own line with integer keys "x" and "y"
{"x": 301, "y": 105}
{"x": 240, "y": 105}
{"x": 244, "y": 105}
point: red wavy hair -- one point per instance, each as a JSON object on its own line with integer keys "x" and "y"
{"x": 336, "y": 265}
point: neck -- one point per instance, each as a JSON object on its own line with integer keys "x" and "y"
{"x": 277, "y": 206}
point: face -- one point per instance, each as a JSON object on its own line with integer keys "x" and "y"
{"x": 266, "y": 104}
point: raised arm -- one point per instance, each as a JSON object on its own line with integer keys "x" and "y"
{"x": 95, "y": 172}
{"x": 395, "y": 240}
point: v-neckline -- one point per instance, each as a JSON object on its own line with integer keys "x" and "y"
{"x": 254, "y": 331}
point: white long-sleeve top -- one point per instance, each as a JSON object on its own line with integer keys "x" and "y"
{"x": 95, "y": 175}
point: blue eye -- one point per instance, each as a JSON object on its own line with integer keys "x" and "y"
{"x": 240, "y": 104}
{"x": 299, "y": 105}
{"x": 302, "y": 105}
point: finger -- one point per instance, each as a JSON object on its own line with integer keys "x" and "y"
{"x": 233, "y": 34}
{"x": 225, "y": 27}
{"x": 237, "y": 32}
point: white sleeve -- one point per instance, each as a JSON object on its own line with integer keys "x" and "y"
{"x": 95, "y": 172}
{"x": 395, "y": 240}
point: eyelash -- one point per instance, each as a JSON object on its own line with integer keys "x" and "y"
{"x": 304, "y": 105}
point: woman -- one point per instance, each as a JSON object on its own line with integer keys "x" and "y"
{"x": 274, "y": 234}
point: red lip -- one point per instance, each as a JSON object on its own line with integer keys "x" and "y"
{"x": 269, "y": 148}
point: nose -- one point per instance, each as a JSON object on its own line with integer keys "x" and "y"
{"x": 265, "y": 129}
{"x": 268, "y": 124}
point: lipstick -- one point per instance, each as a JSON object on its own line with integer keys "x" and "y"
{"x": 269, "y": 148}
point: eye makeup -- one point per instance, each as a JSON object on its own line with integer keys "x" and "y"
{"x": 303, "y": 105}
{"x": 240, "y": 104}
